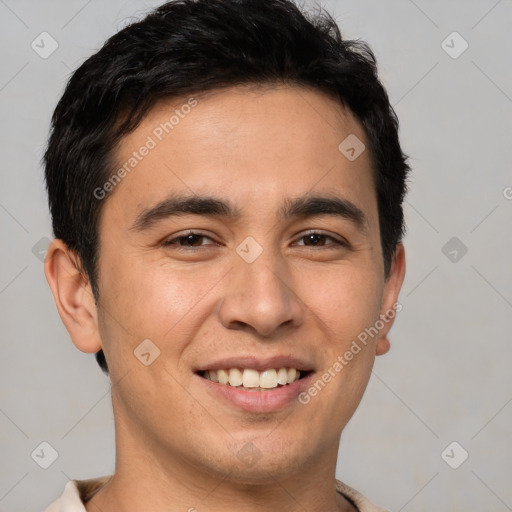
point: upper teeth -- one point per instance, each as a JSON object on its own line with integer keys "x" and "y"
{"x": 253, "y": 378}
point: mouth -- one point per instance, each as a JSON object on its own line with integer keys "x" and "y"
{"x": 252, "y": 380}
{"x": 256, "y": 384}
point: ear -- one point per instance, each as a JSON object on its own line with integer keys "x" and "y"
{"x": 390, "y": 306}
{"x": 73, "y": 296}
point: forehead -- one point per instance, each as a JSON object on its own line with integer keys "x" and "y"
{"x": 255, "y": 145}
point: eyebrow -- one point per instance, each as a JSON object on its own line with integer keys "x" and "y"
{"x": 301, "y": 207}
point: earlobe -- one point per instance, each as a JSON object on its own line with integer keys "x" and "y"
{"x": 73, "y": 296}
{"x": 390, "y": 306}
{"x": 382, "y": 346}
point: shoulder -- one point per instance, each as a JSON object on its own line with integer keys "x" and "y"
{"x": 359, "y": 501}
{"x": 88, "y": 488}
{"x": 76, "y": 493}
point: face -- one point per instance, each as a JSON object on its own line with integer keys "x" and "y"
{"x": 244, "y": 239}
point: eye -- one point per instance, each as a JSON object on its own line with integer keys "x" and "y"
{"x": 315, "y": 239}
{"x": 193, "y": 240}
{"x": 189, "y": 240}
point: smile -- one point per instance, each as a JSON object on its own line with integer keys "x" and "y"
{"x": 253, "y": 380}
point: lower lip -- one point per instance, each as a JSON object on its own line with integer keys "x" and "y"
{"x": 259, "y": 401}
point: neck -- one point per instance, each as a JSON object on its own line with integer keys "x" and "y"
{"x": 148, "y": 478}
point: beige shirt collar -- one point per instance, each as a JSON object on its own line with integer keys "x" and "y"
{"x": 78, "y": 492}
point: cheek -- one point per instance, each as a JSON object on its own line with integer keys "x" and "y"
{"x": 346, "y": 304}
{"x": 151, "y": 300}
{"x": 347, "y": 300}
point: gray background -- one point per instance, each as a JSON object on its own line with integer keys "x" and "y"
{"x": 447, "y": 377}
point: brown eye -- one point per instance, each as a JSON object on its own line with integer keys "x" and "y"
{"x": 191, "y": 240}
{"x": 319, "y": 240}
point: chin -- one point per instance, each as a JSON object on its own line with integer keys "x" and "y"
{"x": 264, "y": 460}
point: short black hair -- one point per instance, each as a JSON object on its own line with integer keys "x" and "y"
{"x": 190, "y": 46}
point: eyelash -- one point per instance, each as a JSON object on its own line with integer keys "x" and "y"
{"x": 174, "y": 241}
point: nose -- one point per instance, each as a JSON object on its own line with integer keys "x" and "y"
{"x": 260, "y": 297}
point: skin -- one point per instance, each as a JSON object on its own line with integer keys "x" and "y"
{"x": 176, "y": 444}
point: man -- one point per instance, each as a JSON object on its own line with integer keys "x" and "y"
{"x": 226, "y": 184}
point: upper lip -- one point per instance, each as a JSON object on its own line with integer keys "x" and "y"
{"x": 256, "y": 363}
